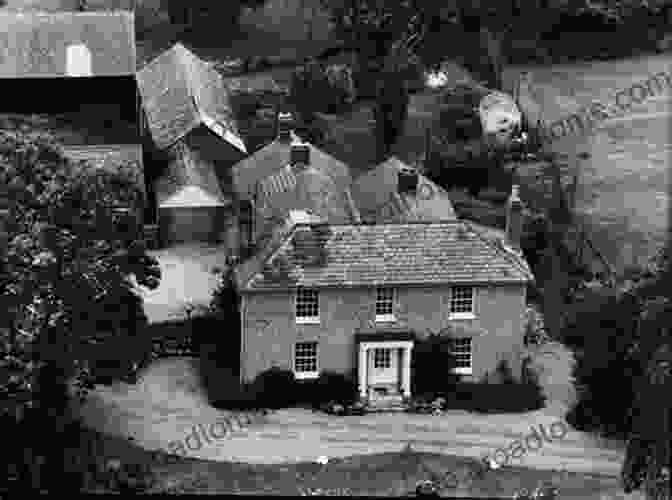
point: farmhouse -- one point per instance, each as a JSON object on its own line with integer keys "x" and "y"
{"x": 353, "y": 297}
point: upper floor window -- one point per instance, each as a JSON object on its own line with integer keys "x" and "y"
{"x": 462, "y": 302}
{"x": 461, "y": 349}
{"x": 307, "y": 306}
{"x": 385, "y": 304}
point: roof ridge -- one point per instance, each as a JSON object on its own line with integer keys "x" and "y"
{"x": 514, "y": 260}
{"x": 273, "y": 245}
{"x": 392, "y": 223}
{"x": 186, "y": 59}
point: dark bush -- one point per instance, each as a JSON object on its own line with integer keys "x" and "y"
{"x": 505, "y": 374}
{"x": 275, "y": 388}
{"x": 495, "y": 398}
{"x": 431, "y": 367}
{"x": 313, "y": 89}
{"x": 222, "y": 385}
{"x": 332, "y": 386}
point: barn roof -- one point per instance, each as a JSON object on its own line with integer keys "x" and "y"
{"x": 378, "y": 199}
{"x": 38, "y": 44}
{"x": 189, "y": 182}
{"x": 180, "y": 92}
{"x": 274, "y": 157}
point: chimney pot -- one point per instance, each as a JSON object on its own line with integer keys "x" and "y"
{"x": 299, "y": 155}
{"x": 285, "y": 126}
{"x": 407, "y": 180}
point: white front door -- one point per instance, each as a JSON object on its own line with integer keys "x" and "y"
{"x": 384, "y": 368}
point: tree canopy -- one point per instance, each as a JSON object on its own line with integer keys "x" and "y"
{"x": 71, "y": 260}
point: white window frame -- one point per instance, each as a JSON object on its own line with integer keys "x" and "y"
{"x": 390, "y": 317}
{"x": 306, "y": 320}
{"x": 464, "y": 370}
{"x": 301, "y": 375}
{"x": 462, "y": 314}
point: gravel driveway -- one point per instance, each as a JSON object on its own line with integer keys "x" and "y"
{"x": 167, "y": 402}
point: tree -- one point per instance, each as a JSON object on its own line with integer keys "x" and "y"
{"x": 186, "y": 12}
{"x": 70, "y": 267}
{"x": 626, "y": 343}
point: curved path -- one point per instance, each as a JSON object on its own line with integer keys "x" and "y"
{"x": 166, "y": 404}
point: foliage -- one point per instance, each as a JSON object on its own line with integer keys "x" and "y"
{"x": 485, "y": 397}
{"x": 332, "y": 386}
{"x": 617, "y": 335}
{"x": 69, "y": 270}
{"x": 275, "y": 388}
{"x": 505, "y": 373}
{"x": 318, "y": 89}
{"x": 431, "y": 367}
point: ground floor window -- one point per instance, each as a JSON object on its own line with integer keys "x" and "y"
{"x": 305, "y": 360}
{"x": 461, "y": 349}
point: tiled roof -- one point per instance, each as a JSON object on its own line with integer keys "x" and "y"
{"x": 180, "y": 92}
{"x": 418, "y": 253}
{"x": 376, "y": 196}
{"x": 189, "y": 181}
{"x": 36, "y": 44}
{"x": 305, "y": 189}
{"x": 273, "y": 158}
{"x": 109, "y": 157}
{"x": 280, "y": 182}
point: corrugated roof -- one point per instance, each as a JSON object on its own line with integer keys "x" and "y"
{"x": 180, "y": 92}
{"x": 274, "y": 157}
{"x": 189, "y": 181}
{"x": 36, "y": 44}
{"x": 377, "y": 198}
{"x": 418, "y": 253}
{"x": 109, "y": 157}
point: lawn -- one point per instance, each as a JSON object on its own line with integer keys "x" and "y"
{"x": 624, "y": 188}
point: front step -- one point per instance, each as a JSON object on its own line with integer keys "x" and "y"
{"x": 386, "y": 403}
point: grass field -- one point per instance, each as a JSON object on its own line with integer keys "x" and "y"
{"x": 624, "y": 191}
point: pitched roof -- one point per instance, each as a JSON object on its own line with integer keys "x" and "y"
{"x": 36, "y": 44}
{"x": 377, "y": 198}
{"x": 108, "y": 157}
{"x": 189, "y": 181}
{"x": 305, "y": 189}
{"x": 418, "y": 253}
{"x": 274, "y": 157}
{"x": 180, "y": 92}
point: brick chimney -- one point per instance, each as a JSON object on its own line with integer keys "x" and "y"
{"x": 299, "y": 156}
{"x": 285, "y": 124}
{"x": 407, "y": 180}
{"x": 514, "y": 218}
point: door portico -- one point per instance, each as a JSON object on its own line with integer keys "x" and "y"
{"x": 384, "y": 365}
